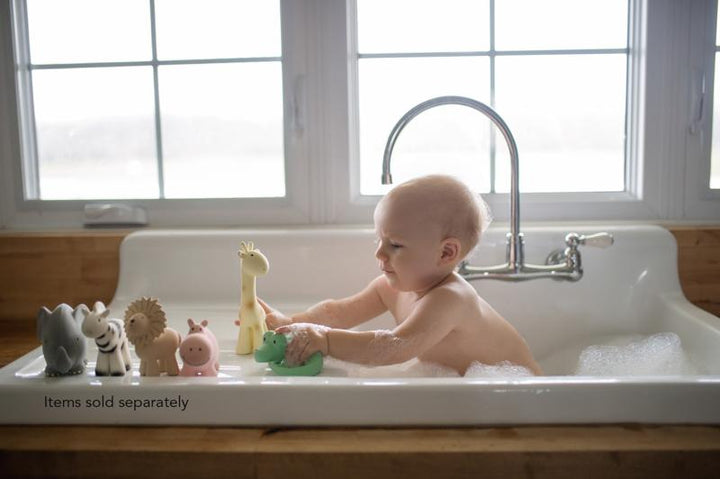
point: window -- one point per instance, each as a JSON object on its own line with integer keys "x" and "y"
{"x": 715, "y": 156}
{"x": 290, "y": 130}
{"x": 534, "y": 62}
{"x": 187, "y": 106}
{"x": 701, "y": 199}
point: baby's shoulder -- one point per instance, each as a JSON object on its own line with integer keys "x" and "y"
{"x": 453, "y": 291}
{"x": 455, "y": 284}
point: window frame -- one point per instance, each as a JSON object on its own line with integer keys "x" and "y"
{"x": 700, "y": 200}
{"x": 664, "y": 175}
{"x": 19, "y": 175}
{"x": 664, "y": 167}
{"x": 534, "y": 206}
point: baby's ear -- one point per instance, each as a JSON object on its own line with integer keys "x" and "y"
{"x": 450, "y": 252}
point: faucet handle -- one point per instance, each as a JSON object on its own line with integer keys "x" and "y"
{"x": 597, "y": 240}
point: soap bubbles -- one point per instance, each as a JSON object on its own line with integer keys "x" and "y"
{"x": 502, "y": 370}
{"x": 413, "y": 368}
{"x": 659, "y": 354}
{"x": 421, "y": 369}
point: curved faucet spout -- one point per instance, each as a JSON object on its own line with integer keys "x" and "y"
{"x": 514, "y": 241}
{"x": 563, "y": 264}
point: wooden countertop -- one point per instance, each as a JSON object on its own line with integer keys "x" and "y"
{"x": 209, "y": 452}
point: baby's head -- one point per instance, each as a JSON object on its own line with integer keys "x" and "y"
{"x": 441, "y": 205}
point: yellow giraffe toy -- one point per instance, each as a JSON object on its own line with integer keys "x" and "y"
{"x": 251, "y": 317}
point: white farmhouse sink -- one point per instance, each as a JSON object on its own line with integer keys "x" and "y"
{"x": 629, "y": 290}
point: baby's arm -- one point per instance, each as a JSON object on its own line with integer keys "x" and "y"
{"x": 434, "y": 316}
{"x": 335, "y": 313}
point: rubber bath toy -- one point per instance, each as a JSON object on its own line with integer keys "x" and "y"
{"x": 113, "y": 357}
{"x": 251, "y": 317}
{"x": 272, "y": 352}
{"x": 63, "y": 344}
{"x": 199, "y": 351}
{"x": 155, "y": 344}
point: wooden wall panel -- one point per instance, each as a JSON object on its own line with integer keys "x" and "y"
{"x": 699, "y": 265}
{"x": 44, "y": 269}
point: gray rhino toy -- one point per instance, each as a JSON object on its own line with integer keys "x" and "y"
{"x": 63, "y": 343}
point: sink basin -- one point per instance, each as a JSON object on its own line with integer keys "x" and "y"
{"x": 629, "y": 292}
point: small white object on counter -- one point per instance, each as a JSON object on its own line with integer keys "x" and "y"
{"x": 114, "y": 214}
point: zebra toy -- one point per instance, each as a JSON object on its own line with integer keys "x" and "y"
{"x": 109, "y": 334}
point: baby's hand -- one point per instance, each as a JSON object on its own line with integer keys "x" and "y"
{"x": 307, "y": 339}
{"x": 274, "y": 318}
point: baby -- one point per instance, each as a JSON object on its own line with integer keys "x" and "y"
{"x": 425, "y": 227}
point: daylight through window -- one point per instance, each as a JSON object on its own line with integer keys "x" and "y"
{"x": 190, "y": 105}
{"x": 554, "y": 70}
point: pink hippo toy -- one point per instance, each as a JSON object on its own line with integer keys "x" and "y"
{"x": 199, "y": 351}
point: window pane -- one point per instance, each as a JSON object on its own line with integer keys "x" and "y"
{"x": 82, "y": 31}
{"x": 222, "y": 128}
{"x": 560, "y": 24}
{"x": 453, "y": 140}
{"x": 715, "y": 147}
{"x": 423, "y": 26}
{"x": 567, "y": 113}
{"x": 95, "y": 133}
{"x": 217, "y": 28}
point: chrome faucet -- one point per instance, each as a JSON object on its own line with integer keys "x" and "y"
{"x": 562, "y": 264}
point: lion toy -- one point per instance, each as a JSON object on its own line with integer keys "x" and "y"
{"x": 155, "y": 344}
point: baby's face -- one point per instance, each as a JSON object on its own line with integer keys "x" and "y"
{"x": 408, "y": 248}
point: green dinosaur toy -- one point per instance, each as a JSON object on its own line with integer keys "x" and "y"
{"x": 272, "y": 351}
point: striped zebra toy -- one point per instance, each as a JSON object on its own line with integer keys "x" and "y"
{"x": 109, "y": 334}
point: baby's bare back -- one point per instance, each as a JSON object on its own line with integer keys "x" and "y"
{"x": 476, "y": 332}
